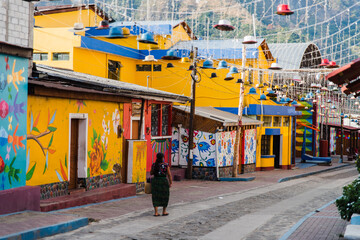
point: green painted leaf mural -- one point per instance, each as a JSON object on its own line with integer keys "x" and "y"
{"x": 52, "y": 129}
{"x": 104, "y": 165}
{"x": 30, "y": 173}
{"x": 35, "y": 129}
{"x": 51, "y": 140}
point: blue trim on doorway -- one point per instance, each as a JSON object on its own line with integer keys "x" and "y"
{"x": 272, "y": 131}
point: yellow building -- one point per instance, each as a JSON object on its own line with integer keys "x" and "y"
{"x": 125, "y": 59}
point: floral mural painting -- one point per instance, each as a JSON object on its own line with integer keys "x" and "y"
{"x": 184, "y": 147}
{"x": 204, "y": 151}
{"x": 13, "y": 106}
{"x": 225, "y": 148}
{"x": 250, "y": 146}
{"x": 175, "y": 147}
{"x": 97, "y": 155}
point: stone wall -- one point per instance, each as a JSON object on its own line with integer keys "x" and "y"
{"x": 226, "y": 172}
{"x": 204, "y": 173}
{"x": 102, "y": 181}
{"x": 247, "y": 168}
{"x": 54, "y": 190}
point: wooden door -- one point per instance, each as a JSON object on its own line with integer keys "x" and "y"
{"x": 135, "y": 129}
{"x": 74, "y": 153}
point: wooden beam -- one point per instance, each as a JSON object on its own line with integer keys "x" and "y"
{"x": 47, "y": 92}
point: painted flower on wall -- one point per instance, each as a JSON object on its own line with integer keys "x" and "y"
{"x": 210, "y": 162}
{"x": 174, "y": 145}
{"x": 185, "y": 138}
{"x": 116, "y": 119}
{"x": 80, "y": 104}
{"x": 213, "y": 141}
{"x": 97, "y": 156}
{"x": 203, "y": 146}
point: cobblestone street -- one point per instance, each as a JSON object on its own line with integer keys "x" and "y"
{"x": 263, "y": 211}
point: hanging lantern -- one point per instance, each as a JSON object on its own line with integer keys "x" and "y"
{"x": 312, "y": 110}
{"x": 126, "y": 31}
{"x": 352, "y": 97}
{"x": 294, "y": 103}
{"x": 324, "y": 62}
{"x": 332, "y": 64}
{"x": 208, "y": 64}
{"x": 292, "y": 84}
{"x": 271, "y": 94}
{"x": 213, "y": 75}
{"x": 147, "y": 38}
{"x": 169, "y": 65}
{"x": 252, "y": 90}
{"x": 228, "y": 77}
{"x": 275, "y": 66}
{"x": 233, "y": 70}
{"x": 170, "y": 55}
{"x": 224, "y": 25}
{"x": 150, "y": 58}
{"x": 356, "y": 103}
{"x": 78, "y": 27}
{"x": 285, "y": 86}
{"x": 239, "y": 80}
{"x": 249, "y": 40}
{"x": 284, "y": 9}
{"x": 262, "y": 97}
{"x": 185, "y": 60}
{"x": 324, "y": 89}
{"x": 104, "y": 24}
{"x": 222, "y": 64}
{"x": 288, "y": 99}
{"x": 306, "y": 108}
{"x": 116, "y": 32}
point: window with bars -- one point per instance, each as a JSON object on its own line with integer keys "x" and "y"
{"x": 160, "y": 120}
{"x": 267, "y": 121}
{"x": 114, "y": 69}
{"x": 286, "y": 121}
{"x": 61, "y": 56}
{"x": 277, "y": 122}
{"x": 40, "y": 56}
{"x": 265, "y": 144}
{"x": 147, "y": 67}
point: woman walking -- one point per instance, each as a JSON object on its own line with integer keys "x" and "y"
{"x": 160, "y": 184}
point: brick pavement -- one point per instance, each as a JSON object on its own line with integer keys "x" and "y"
{"x": 181, "y": 192}
{"x": 323, "y": 225}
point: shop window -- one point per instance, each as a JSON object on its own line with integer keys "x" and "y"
{"x": 277, "y": 122}
{"x": 160, "y": 119}
{"x": 40, "y": 56}
{"x": 265, "y": 144}
{"x": 155, "y": 119}
{"x": 267, "y": 121}
{"x": 286, "y": 121}
{"x": 165, "y": 120}
{"x": 114, "y": 69}
{"x": 147, "y": 67}
{"x": 60, "y": 56}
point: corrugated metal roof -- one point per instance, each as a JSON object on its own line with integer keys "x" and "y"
{"x": 123, "y": 88}
{"x": 220, "y": 49}
{"x": 228, "y": 119}
{"x": 289, "y": 55}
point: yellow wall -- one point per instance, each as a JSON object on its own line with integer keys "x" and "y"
{"x": 95, "y": 63}
{"x": 50, "y": 40}
{"x": 67, "y": 19}
{"x": 48, "y": 120}
{"x": 285, "y": 145}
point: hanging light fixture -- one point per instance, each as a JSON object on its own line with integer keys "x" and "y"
{"x": 224, "y": 25}
{"x": 284, "y": 9}
{"x": 147, "y": 38}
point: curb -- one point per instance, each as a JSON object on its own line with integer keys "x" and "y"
{"x": 46, "y": 231}
{"x": 310, "y": 173}
{"x": 302, "y": 220}
{"x": 237, "y": 179}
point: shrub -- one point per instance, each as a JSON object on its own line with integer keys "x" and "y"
{"x": 349, "y": 203}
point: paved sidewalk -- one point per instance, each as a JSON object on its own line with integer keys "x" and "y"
{"x": 182, "y": 192}
{"x": 325, "y": 223}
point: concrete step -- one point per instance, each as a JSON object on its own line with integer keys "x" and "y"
{"x": 92, "y": 196}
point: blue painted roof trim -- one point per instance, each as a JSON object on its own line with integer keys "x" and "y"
{"x": 255, "y": 109}
{"x": 228, "y": 53}
{"x": 272, "y": 131}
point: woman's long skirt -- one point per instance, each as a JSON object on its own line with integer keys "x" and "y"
{"x": 160, "y": 191}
